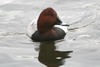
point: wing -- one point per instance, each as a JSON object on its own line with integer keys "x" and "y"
{"x": 32, "y": 27}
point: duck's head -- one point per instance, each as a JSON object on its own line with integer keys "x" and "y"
{"x": 47, "y": 19}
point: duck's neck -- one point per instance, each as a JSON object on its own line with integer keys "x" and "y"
{"x": 47, "y": 32}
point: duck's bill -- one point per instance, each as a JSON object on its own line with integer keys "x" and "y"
{"x": 58, "y": 21}
{"x": 64, "y": 24}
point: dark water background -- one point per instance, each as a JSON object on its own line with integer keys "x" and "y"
{"x": 80, "y": 48}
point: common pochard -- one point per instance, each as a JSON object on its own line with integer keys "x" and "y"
{"x": 48, "y": 27}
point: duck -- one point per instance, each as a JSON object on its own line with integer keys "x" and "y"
{"x": 48, "y": 27}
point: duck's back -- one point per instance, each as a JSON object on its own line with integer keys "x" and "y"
{"x": 32, "y": 27}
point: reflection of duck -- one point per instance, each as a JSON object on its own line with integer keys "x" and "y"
{"x": 48, "y": 27}
{"x": 50, "y": 57}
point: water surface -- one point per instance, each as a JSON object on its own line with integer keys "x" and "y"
{"x": 80, "y": 47}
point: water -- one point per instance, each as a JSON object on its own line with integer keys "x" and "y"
{"x": 80, "y": 47}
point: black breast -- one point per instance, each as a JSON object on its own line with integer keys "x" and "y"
{"x": 37, "y": 37}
